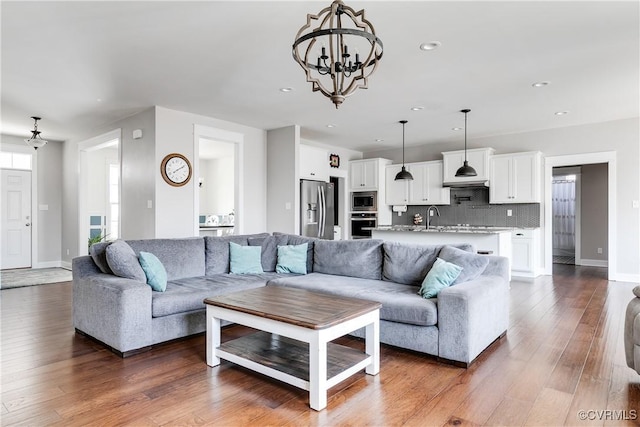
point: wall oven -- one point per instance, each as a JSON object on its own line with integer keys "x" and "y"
{"x": 362, "y": 223}
{"x": 364, "y": 201}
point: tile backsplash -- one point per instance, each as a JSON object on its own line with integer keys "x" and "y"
{"x": 471, "y": 206}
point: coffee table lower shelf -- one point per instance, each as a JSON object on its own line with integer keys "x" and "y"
{"x": 287, "y": 359}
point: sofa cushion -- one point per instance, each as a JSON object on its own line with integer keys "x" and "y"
{"x": 441, "y": 276}
{"x": 154, "y": 270}
{"x": 98, "y": 252}
{"x": 472, "y": 265}
{"x": 188, "y": 294}
{"x": 217, "y": 251}
{"x": 353, "y": 258}
{"x": 182, "y": 257}
{"x": 292, "y": 259}
{"x": 123, "y": 261}
{"x": 245, "y": 259}
{"x": 293, "y": 239}
{"x": 409, "y": 263}
{"x": 400, "y": 303}
{"x": 269, "y": 245}
{"x": 636, "y": 291}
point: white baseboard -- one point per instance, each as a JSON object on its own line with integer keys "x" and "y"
{"x": 46, "y": 264}
{"x": 66, "y": 265}
{"x": 633, "y": 278}
{"x": 592, "y": 262}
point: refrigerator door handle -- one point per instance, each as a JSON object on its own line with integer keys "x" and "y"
{"x": 320, "y": 212}
{"x": 323, "y": 213}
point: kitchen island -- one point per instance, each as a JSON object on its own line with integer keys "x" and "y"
{"x": 495, "y": 240}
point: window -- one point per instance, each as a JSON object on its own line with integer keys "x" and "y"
{"x": 15, "y": 160}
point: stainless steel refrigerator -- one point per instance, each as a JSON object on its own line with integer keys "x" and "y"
{"x": 316, "y": 209}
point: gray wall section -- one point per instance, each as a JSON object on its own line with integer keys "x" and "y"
{"x": 138, "y": 176}
{"x": 283, "y": 179}
{"x": 621, "y": 136}
{"x": 594, "y": 212}
{"x": 49, "y": 187}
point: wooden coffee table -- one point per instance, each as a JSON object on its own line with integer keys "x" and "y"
{"x": 293, "y": 342}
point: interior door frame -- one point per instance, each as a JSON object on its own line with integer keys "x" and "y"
{"x": 608, "y": 157}
{"x": 15, "y": 148}
{"x": 208, "y": 132}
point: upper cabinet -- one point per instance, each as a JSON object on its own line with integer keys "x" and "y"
{"x": 314, "y": 163}
{"x": 364, "y": 175}
{"x": 397, "y": 191}
{"x": 515, "y": 178}
{"x": 478, "y": 158}
{"x": 425, "y": 189}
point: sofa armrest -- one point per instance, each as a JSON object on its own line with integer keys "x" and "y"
{"x": 632, "y": 334}
{"x": 471, "y": 316}
{"x": 111, "y": 309}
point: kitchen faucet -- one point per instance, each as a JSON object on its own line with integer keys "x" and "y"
{"x": 429, "y": 214}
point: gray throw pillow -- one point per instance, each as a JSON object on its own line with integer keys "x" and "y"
{"x": 98, "y": 252}
{"x": 123, "y": 261}
{"x": 636, "y": 291}
{"x": 472, "y": 265}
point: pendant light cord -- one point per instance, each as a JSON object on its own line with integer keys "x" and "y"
{"x": 465, "y": 137}
{"x": 403, "y": 144}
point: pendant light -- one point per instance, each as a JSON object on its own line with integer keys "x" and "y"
{"x": 403, "y": 174}
{"x": 465, "y": 170}
{"x": 35, "y": 140}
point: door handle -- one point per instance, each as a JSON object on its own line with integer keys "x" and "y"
{"x": 28, "y": 224}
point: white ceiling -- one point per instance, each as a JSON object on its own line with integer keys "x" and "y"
{"x": 229, "y": 59}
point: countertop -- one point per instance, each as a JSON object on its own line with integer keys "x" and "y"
{"x": 447, "y": 229}
{"x": 214, "y": 227}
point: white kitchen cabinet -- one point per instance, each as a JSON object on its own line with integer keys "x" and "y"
{"x": 397, "y": 192}
{"x": 515, "y": 178}
{"x": 364, "y": 175}
{"x": 314, "y": 163}
{"x": 525, "y": 248}
{"x": 478, "y": 158}
{"x": 426, "y": 187}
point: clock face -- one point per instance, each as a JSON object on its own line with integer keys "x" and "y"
{"x": 176, "y": 169}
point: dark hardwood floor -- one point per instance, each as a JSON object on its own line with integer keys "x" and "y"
{"x": 563, "y": 354}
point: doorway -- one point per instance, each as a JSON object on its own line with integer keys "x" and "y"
{"x": 99, "y": 190}
{"x": 600, "y": 249}
{"x": 216, "y": 184}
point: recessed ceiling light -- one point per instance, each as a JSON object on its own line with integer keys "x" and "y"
{"x": 99, "y": 100}
{"x": 286, "y": 89}
{"x": 430, "y": 45}
{"x": 561, "y": 113}
{"x": 540, "y": 84}
{"x": 456, "y": 129}
{"x": 331, "y": 126}
{"x": 379, "y": 140}
{"x": 417, "y": 108}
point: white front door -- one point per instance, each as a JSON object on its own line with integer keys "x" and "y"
{"x": 16, "y": 219}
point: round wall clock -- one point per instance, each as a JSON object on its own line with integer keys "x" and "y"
{"x": 175, "y": 169}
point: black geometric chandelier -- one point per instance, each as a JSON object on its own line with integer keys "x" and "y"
{"x": 338, "y": 49}
{"x": 36, "y": 140}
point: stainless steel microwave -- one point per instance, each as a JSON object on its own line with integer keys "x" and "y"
{"x": 364, "y": 201}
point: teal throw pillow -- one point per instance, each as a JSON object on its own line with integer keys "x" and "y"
{"x": 441, "y": 276}
{"x": 292, "y": 259}
{"x": 154, "y": 270}
{"x": 245, "y": 259}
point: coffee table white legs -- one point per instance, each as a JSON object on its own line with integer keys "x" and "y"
{"x": 213, "y": 339}
{"x": 318, "y": 372}
{"x": 372, "y": 347}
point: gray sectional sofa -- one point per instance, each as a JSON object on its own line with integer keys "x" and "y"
{"x": 126, "y": 315}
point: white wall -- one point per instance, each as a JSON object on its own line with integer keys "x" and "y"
{"x": 345, "y": 155}
{"x": 621, "y": 136}
{"x": 175, "y": 216}
{"x": 99, "y": 161}
{"x": 49, "y": 188}
{"x": 283, "y": 180}
{"x": 217, "y": 191}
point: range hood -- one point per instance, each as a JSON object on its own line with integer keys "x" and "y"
{"x": 463, "y": 184}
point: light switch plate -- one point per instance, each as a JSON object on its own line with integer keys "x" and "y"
{"x": 509, "y": 212}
